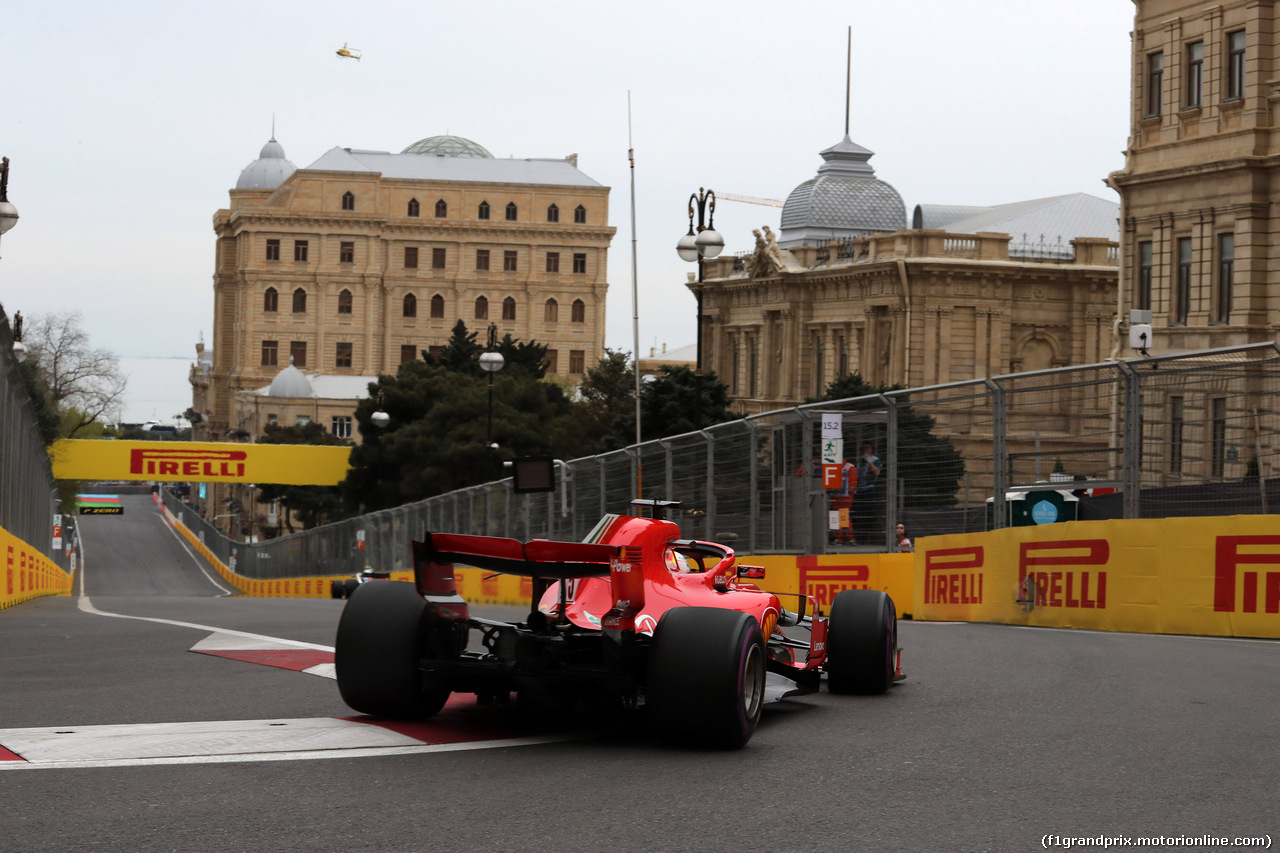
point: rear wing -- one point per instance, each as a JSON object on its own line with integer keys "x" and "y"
{"x": 538, "y": 558}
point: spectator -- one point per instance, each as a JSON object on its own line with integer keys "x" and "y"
{"x": 843, "y": 499}
{"x": 904, "y": 544}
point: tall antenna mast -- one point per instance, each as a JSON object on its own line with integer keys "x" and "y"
{"x": 635, "y": 299}
{"x": 848, "y": 81}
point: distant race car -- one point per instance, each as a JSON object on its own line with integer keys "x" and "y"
{"x": 634, "y": 616}
{"x": 344, "y": 588}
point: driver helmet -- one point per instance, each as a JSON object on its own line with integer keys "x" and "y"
{"x": 676, "y": 562}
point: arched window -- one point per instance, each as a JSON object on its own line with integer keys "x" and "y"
{"x": 437, "y": 307}
{"x": 414, "y": 208}
{"x": 579, "y": 314}
{"x": 580, "y": 214}
{"x": 551, "y": 311}
{"x": 271, "y": 300}
{"x": 483, "y": 212}
{"x": 482, "y": 308}
{"x": 410, "y": 305}
{"x": 299, "y": 301}
{"x": 344, "y": 302}
{"x": 348, "y": 201}
{"x": 553, "y": 214}
{"x": 509, "y": 308}
{"x": 442, "y": 210}
{"x": 512, "y": 211}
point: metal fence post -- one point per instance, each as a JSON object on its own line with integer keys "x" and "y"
{"x": 1000, "y": 454}
{"x": 891, "y": 466}
{"x": 1132, "y": 456}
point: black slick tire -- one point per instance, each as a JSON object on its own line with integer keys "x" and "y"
{"x": 862, "y": 640}
{"x": 377, "y": 655}
{"x": 705, "y": 677}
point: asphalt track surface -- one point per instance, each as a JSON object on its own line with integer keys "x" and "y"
{"x": 998, "y": 737}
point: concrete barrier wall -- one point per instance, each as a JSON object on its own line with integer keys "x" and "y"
{"x": 1208, "y": 576}
{"x": 28, "y": 573}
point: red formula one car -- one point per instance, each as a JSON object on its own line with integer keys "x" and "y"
{"x": 635, "y": 616}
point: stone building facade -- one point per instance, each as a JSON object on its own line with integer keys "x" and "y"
{"x": 913, "y": 308}
{"x": 363, "y": 259}
{"x": 1199, "y": 186}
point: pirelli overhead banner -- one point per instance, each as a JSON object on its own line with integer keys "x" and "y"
{"x": 1217, "y": 576}
{"x": 204, "y": 462}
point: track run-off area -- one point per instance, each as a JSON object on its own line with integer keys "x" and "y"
{"x": 154, "y": 710}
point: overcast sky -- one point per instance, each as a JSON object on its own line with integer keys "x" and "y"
{"x": 126, "y": 124}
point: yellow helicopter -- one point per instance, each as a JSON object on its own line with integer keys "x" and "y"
{"x": 349, "y": 52}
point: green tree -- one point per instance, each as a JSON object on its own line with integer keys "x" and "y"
{"x": 313, "y": 505}
{"x": 460, "y": 354}
{"x": 607, "y": 392}
{"x": 929, "y": 465}
{"x": 670, "y": 405}
{"x": 437, "y": 437}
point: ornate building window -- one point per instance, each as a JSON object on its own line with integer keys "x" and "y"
{"x": 551, "y": 361}
{"x": 482, "y": 308}
{"x": 442, "y": 210}
{"x": 273, "y": 250}
{"x": 344, "y": 302}
{"x": 299, "y": 301}
{"x": 578, "y": 313}
{"x": 510, "y": 261}
{"x": 408, "y": 353}
{"x": 553, "y": 214}
{"x": 414, "y": 208}
{"x": 577, "y": 361}
{"x": 483, "y": 212}
{"x": 348, "y": 201}
{"x": 270, "y": 353}
{"x": 410, "y": 305}
{"x": 512, "y": 211}
{"x": 437, "y": 307}
{"x": 551, "y": 311}
{"x": 1226, "y": 275}
{"x": 437, "y": 259}
{"x": 1195, "y": 73}
{"x": 482, "y": 259}
{"x": 579, "y": 263}
{"x": 271, "y": 301}
{"x": 300, "y": 250}
{"x": 411, "y": 257}
{"x": 342, "y": 356}
{"x": 509, "y": 308}
{"x": 298, "y": 353}
{"x": 1182, "y": 299}
{"x": 346, "y": 252}
{"x": 553, "y": 262}
{"x": 340, "y": 426}
{"x": 1155, "y": 83}
{"x": 1235, "y": 65}
{"x": 580, "y": 215}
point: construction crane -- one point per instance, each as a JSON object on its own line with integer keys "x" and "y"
{"x": 750, "y": 199}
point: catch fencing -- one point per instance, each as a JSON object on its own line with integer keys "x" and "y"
{"x": 1193, "y": 434}
{"x": 28, "y": 493}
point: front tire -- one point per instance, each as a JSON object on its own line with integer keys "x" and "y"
{"x": 862, "y": 642}
{"x": 337, "y": 589}
{"x": 377, "y": 655}
{"x": 706, "y": 677}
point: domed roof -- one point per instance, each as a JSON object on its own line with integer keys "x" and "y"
{"x": 290, "y": 382}
{"x": 845, "y": 199}
{"x": 268, "y": 171}
{"x": 448, "y": 146}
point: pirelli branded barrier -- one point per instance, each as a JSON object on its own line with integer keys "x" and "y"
{"x": 207, "y": 462}
{"x": 28, "y": 573}
{"x": 1211, "y": 576}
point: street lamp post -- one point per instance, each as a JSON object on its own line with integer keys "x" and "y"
{"x": 8, "y": 213}
{"x": 701, "y": 243}
{"x": 491, "y": 362}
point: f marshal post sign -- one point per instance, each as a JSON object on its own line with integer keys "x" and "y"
{"x": 206, "y": 462}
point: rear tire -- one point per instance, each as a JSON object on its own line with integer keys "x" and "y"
{"x": 377, "y": 655}
{"x": 862, "y": 642}
{"x": 349, "y": 587}
{"x": 337, "y": 589}
{"x": 706, "y": 677}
